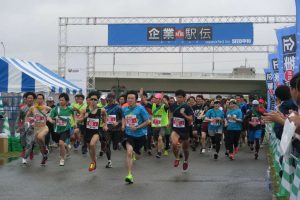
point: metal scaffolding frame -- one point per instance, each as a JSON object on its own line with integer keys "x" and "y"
{"x": 91, "y": 51}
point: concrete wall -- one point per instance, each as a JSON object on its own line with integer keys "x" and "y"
{"x": 197, "y": 86}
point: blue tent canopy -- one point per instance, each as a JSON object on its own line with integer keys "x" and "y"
{"x": 22, "y": 76}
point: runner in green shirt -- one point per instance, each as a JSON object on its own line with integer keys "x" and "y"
{"x": 61, "y": 115}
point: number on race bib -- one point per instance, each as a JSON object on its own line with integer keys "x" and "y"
{"x": 178, "y": 122}
{"x": 92, "y": 123}
{"x": 39, "y": 119}
{"x": 156, "y": 121}
{"x": 131, "y": 120}
{"x": 215, "y": 123}
{"x": 60, "y": 122}
{"x": 111, "y": 119}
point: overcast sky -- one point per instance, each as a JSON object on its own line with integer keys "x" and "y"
{"x": 29, "y": 30}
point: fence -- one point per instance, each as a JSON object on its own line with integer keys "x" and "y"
{"x": 11, "y": 107}
{"x": 287, "y": 168}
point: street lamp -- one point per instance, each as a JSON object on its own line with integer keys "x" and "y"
{"x": 3, "y": 48}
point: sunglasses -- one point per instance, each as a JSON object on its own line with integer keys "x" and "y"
{"x": 92, "y": 99}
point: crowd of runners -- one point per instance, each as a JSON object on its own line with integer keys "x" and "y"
{"x": 157, "y": 124}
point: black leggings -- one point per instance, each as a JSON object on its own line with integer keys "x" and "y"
{"x": 105, "y": 144}
{"x": 216, "y": 140}
{"x": 232, "y": 139}
{"x": 167, "y": 140}
{"x": 115, "y": 138}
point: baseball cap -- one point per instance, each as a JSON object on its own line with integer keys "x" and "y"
{"x": 261, "y": 101}
{"x": 158, "y": 96}
{"x": 103, "y": 96}
{"x": 50, "y": 99}
{"x": 255, "y": 102}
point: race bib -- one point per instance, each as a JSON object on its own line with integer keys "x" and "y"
{"x": 215, "y": 123}
{"x": 61, "y": 122}
{"x": 111, "y": 119}
{"x": 39, "y": 119}
{"x": 178, "y": 122}
{"x": 131, "y": 120}
{"x": 156, "y": 121}
{"x": 229, "y": 118}
{"x": 31, "y": 121}
{"x": 92, "y": 123}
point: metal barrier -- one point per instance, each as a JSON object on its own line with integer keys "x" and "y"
{"x": 10, "y": 109}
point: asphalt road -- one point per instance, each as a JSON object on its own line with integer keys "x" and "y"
{"x": 155, "y": 179}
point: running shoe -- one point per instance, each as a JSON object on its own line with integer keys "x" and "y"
{"x": 149, "y": 152}
{"x": 166, "y": 153}
{"x": 76, "y": 144}
{"x": 109, "y": 164}
{"x": 158, "y": 155}
{"x": 216, "y": 156}
{"x": 176, "y": 162}
{"x": 252, "y": 148}
{"x": 226, "y": 154}
{"x": 92, "y": 166}
{"x": 62, "y": 162}
{"x": 231, "y": 156}
{"x": 24, "y": 161}
{"x": 129, "y": 179}
{"x": 236, "y": 150}
{"x": 203, "y": 150}
{"x": 84, "y": 150}
{"x": 185, "y": 165}
{"x": 31, "y": 155}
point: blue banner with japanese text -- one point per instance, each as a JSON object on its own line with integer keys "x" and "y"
{"x": 180, "y": 34}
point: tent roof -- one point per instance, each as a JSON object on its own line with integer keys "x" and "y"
{"x": 21, "y": 76}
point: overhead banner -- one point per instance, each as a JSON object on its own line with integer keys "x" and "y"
{"x": 77, "y": 76}
{"x": 287, "y": 47}
{"x": 180, "y": 34}
{"x": 270, "y": 88}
